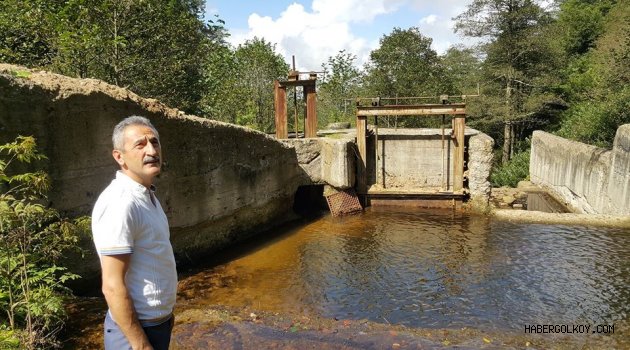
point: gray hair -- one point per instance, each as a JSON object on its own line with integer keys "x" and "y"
{"x": 119, "y": 129}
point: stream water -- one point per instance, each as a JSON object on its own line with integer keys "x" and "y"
{"x": 430, "y": 269}
{"x": 421, "y": 269}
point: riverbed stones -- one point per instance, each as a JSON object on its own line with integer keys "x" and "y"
{"x": 528, "y": 186}
{"x": 508, "y": 200}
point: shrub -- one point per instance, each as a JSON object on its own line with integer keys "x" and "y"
{"x": 512, "y": 172}
{"x": 33, "y": 239}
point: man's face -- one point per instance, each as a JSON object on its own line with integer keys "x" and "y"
{"x": 140, "y": 158}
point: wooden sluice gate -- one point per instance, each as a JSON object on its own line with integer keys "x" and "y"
{"x": 339, "y": 202}
{"x": 451, "y": 191}
{"x": 309, "y": 88}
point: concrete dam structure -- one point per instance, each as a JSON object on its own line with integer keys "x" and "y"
{"x": 402, "y": 163}
{"x": 220, "y": 182}
{"x": 586, "y": 178}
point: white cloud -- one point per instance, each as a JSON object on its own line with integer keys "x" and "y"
{"x": 440, "y": 29}
{"x": 354, "y": 10}
{"x": 211, "y": 11}
{"x": 315, "y": 34}
{"x": 440, "y": 24}
{"x": 430, "y": 19}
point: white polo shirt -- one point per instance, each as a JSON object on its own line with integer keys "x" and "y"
{"x": 126, "y": 221}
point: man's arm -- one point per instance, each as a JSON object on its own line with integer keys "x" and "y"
{"x": 120, "y": 304}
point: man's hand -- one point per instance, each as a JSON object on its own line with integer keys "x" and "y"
{"x": 120, "y": 304}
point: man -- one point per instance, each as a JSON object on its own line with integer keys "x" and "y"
{"x": 131, "y": 236}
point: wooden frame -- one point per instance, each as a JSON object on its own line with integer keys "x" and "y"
{"x": 280, "y": 101}
{"x": 459, "y": 126}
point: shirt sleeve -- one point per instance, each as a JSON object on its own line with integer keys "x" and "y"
{"x": 113, "y": 229}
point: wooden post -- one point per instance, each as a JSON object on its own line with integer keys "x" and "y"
{"x": 311, "y": 111}
{"x": 459, "y": 125}
{"x": 280, "y": 100}
{"x": 362, "y": 161}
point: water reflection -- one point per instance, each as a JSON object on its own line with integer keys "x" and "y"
{"x": 540, "y": 201}
{"x": 431, "y": 269}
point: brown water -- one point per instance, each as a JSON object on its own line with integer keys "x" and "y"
{"x": 429, "y": 269}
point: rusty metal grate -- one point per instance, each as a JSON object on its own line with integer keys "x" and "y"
{"x": 343, "y": 202}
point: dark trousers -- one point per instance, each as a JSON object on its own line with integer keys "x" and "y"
{"x": 159, "y": 335}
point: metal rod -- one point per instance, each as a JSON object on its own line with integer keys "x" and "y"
{"x": 295, "y": 112}
{"x": 376, "y": 167}
{"x": 398, "y": 98}
{"x": 396, "y": 117}
{"x": 413, "y": 110}
{"x": 443, "y": 162}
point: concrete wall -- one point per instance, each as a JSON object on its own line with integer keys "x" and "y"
{"x": 586, "y": 178}
{"x": 414, "y": 159}
{"x": 220, "y": 182}
{"x": 411, "y": 159}
{"x": 326, "y": 161}
{"x": 479, "y": 166}
{"x": 619, "y": 181}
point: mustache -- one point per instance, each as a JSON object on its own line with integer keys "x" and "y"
{"x": 151, "y": 159}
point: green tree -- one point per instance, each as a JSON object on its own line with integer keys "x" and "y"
{"x": 598, "y": 85}
{"x": 517, "y": 57}
{"x": 258, "y": 67}
{"x": 155, "y": 48}
{"x": 220, "y": 101}
{"x": 340, "y": 84}
{"x": 462, "y": 66}
{"x": 152, "y": 47}
{"x": 27, "y": 32}
{"x": 406, "y": 65}
{"x": 580, "y": 23}
{"x": 33, "y": 240}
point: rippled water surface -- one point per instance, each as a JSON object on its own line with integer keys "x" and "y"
{"x": 430, "y": 269}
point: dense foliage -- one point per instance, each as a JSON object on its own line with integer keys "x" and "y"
{"x": 339, "y": 86}
{"x": 33, "y": 240}
{"x": 596, "y": 80}
{"x": 152, "y": 47}
{"x": 255, "y": 84}
{"x": 512, "y": 172}
{"x": 560, "y": 66}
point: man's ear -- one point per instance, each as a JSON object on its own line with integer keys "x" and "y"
{"x": 118, "y": 157}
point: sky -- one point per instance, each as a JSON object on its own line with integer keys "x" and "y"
{"x": 314, "y": 30}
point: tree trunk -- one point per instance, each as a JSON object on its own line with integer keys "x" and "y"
{"x": 506, "y": 142}
{"x": 512, "y": 139}
{"x": 507, "y": 124}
